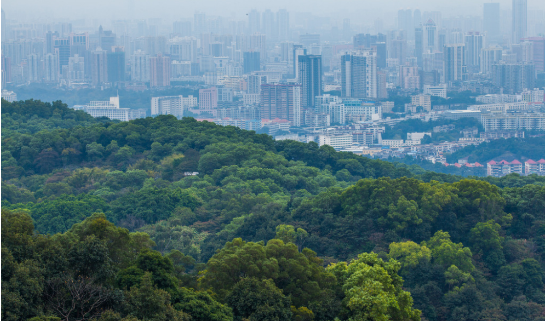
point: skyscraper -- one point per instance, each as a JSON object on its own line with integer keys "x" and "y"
{"x": 159, "y": 71}
{"x": 431, "y": 40}
{"x": 310, "y": 77}
{"x": 359, "y": 75}
{"x": 269, "y": 24}
{"x": 281, "y": 101}
{"x": 251, "y": 61}
{"x": 62, "y": 49}
{"x": 99, "y": 67}
{"x": 489, "y": 57}
{"x": 199, "y": 24}
{"x": 520, "y": 20}
{"x": 491, "y": 22}
{"x": 254, "y": 23}
{"x": 454, "y": 64}
{"x": 140, "y": 70}
{"x": 419, "y": 44}
{"x": 116, "y": 65}
{"x": 474, "y": 43}
{"x": 283, "y": 21}
{"x": 513, "y": 78}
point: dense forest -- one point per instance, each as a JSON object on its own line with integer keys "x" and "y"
{"x": 166, "y": 219}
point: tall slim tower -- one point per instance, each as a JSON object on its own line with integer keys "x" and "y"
{"x": 254, "y": 22}
{"x": 454, "y": 64}
{"x": 359, "y": 75}
{"x": 520, "y": 20}
{"x": 491, "y": 22}
{"x": 310, "y": 77}
{"x": 283, "y": 21}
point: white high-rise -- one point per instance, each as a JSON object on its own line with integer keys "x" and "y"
{"x": 140, "y": 67}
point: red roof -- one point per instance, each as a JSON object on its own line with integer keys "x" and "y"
{"x": 477, "y": 164}
{"x": 516, "y": 162}
{"x": 541, "y": 161}
{"x": 492, "y": 162}
{"x": 530, "y": 161}
{"x": 469, "y": 165}
{"x": 503, "y": 162}
{"x": 446, "y": 164}
{"x": 457, "y": 165}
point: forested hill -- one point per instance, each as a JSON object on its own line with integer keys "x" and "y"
{"x": 170, "y": 219}
{"x": 508, "y": 149}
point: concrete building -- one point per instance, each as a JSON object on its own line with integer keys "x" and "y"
{"x": 439, "y": 90}
{"x": 359, "y": 75}
{"x": 422, "y": 100}
{"x": 513, "y": 121}
{"x": 109, "y": 109}
{"x": 140, "y": 67}
{"x": 519, "y": 21}
{"x": 9, "y": 96}
{"x": 208, "y": 98}
{"x": 282, "y": 101}
{"x": 454, "y": 64}
{"x": 310, "y": 77}
{"x": 159, "y": 71}
{"x": 173, "y": 105}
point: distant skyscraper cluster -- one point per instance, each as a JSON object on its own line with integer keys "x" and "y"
{"x": 290, "y": 68}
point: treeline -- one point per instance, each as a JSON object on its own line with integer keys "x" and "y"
{"x": 399, "y": 130}
{"x": 177, "y": 219}
{"x": 97, "y": 271}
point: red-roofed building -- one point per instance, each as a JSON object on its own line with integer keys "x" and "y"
{"x": 533, "y": 167}
{"x": 502, "y": 168}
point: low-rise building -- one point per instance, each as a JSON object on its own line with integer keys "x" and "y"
{"x": 502, "y": 168}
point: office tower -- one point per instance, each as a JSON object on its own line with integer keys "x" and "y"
{"x": 491, "y": 22}
{"x": 51, "y": 68}
{"x": 359, "y": 75}
{"x": 199, "y": 24}
{"x": 62, "y": 50}
{"x": 419, "y": 44}
{"x": 79, "y": 44}
{"x": 269, "y": 25}
{"x": 106, "y": 39}
{"x": 258, "y": 42}
{"x": 382, "y": 54}
{"x": 431, "y": 40}
{"x": 309, "y": 39}
{"x": 347, "y": 30}
{"x": 181, "y": 28}
{"x": 417, "y": 18}
{"x": 99, "y": 67}
{"x": 33, "y": 68}
{"x": 76, "y": 69}
{"x": 208, "y": 98}
{"x": 520, "y": 20}
{"x": 382, "y": 92}
{"x": 183, "y": 48}
{"x": 286, "y": 52}
{"x": 4, "y": 27}
{"x": 538, "y": 52}
{"x": 159, "y": 71}
{"x": 298, "y": 50}
{"x": 116, "y": 65}
{"x": 281, "y": 101}
{"x": 399, "y": 50}
{"x": 474, "y": 43}
{"x": 255, "y": 82}
{"x": 489, "y": 57}
{"x": 310, "y": 77}
{"x": 513, "y": 78}
{"x": 405, "y": 20}
{"x": 283, "y": 21}
{"x": 251, "y": 62}
{"x": 140, "y": 68}
{"x": 254, "y": 23}
{"x": 454, "y": 63}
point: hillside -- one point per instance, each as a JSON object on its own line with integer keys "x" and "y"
{"x": 169, "y": 219}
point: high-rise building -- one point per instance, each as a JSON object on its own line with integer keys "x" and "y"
{"x": 538, "y": 55}
{"x": 106, "y": 39}
{"x": 474, "y": 43}
{"x": 489, "y": 57}
{"x": 140, "y": 70}
{"x": 254, "y": 23}
{"x": 359, "y": 75}
{"x": 269, "y": 25}
{"x": 310, "y": 77}
{"x": 491, "y": 22}
{"x": 255, "y": 82}
{"x": 208, "y": 98}
{"x": 419, "y": 44}
{"x": 281, "y": 101}
{"x": 159, "y": 71}
{"x": 399, "y": 50}
{"x": 431, "y": 39}
{"x": 79, "y": 44}
{"x": 283, "y": 21}
{"x": 116, "y": 65}
{"x": 99, "y": 67}
{"x": 183, "y": 48}
{"x": 51, "y": 68}
{"x": 76, "y": 69}
{"x": 62, "y": 50}
{"x": 513, "y": 78}
{"x": 199, "y": 23}
{"x": 298, "y": 50}
{"x": 34, "y": 70}
{"x": 4, "y": 27}
{"x": 251, "y": 61}
{"x": 454, "y": 63}
{"x": 181, "y": 28}
{"x": 520, "y": 20}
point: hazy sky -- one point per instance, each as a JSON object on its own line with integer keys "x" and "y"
{"x": 107, "y": 10}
